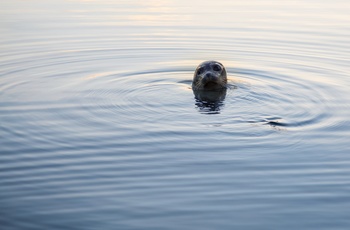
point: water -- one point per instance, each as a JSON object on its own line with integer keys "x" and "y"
{"x": 100, "y": 128}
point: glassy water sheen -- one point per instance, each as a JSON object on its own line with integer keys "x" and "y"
{"x": 100, "y": 128}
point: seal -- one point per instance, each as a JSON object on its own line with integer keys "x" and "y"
{"x": 209, "y": 75}
{"x": 209, "y": 101}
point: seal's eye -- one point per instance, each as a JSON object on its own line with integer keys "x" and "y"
{"x": 216, "y": 68}
{"x": 199, "y": 71}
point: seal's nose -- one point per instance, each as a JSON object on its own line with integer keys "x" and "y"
{"x": 209, "y": 77}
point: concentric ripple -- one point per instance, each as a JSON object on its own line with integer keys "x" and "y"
{"x": 146, "y": 97}
{"x": 255, "y": 96}
{"x": 281, "y": 100}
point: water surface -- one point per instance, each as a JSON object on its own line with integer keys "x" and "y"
{"x": 100, "y": 128}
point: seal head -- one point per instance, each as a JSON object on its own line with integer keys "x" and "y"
{"x": 209, "y": 75}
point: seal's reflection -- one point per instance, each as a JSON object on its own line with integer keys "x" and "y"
{"x": 209, "y": 102}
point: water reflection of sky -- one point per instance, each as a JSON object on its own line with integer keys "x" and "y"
{"x": 100, "y": 128}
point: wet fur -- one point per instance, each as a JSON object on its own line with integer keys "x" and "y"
{"x": 209, "y": 75}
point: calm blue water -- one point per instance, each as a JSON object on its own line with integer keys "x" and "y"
{"x": 100, "y": 128}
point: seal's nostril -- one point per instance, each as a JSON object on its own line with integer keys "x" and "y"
{"x": 210, "y": 77}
